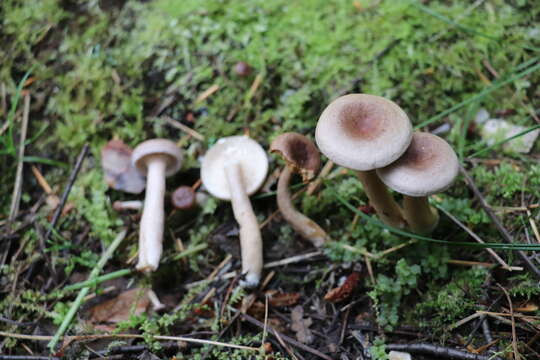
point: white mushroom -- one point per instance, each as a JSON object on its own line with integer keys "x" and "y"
{"x": 428, "y": 166}
{"x": 233, "y": 169}
{"x": 157, "y": 158}
{"x": 365, "y": 132}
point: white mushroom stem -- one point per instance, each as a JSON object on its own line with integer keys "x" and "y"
{"x": 382, "y": 201}
{"x": 421, "y": 217}
{"x": 306, "y": 227}
{"x": 250, "y": 234}
{"x": 152, "y": 221}
{"x": 156, "y": 304}
{"x": 127, "y": 205}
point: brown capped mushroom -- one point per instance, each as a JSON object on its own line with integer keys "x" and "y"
{"x": 301, "y": 156}
{"x": 365, "y": 132}
{"x": 183, "y": 197}
{"x": 156, "y": 158}
{"x": 234, "y": 168}
{"x": 428, "y": 166}
{"x": 119, "y": 172}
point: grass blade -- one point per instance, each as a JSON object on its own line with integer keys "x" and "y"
{"x": 501, "y": 246}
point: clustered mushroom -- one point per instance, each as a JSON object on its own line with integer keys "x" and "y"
{"x": 428, "y": 166}
{"x": 366, "y": 133}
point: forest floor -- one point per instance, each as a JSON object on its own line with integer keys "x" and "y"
{"x": 75, "y": 74}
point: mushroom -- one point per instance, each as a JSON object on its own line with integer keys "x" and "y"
{"x": 119, "y": 172}
{"x": 365, "y": 132}
{"x": 301, "y": 156}
{"x": 183, "y": 198}
{"x": 127, "y": 205}
{"x": 428, "y": 166}
{"x": 232, "y": 170}
{"x": 157, "y": 158}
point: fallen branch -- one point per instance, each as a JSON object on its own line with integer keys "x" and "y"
{"x": 438, "y": 351}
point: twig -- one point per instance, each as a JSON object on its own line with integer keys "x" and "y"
{"x": 69, "y": 339}
{"x": 27, "y": 357}
{"x": 84, "y": 291}
{"x": 273, "y": 264}
{"x": 514, "y": 336}
{"x": 314, "y": 185}
{"x": 205, "y": 94}
{"x": 482, "y": 264}
{"x": 184, "y": 128}
{"x": 506, "y": 236}
{"x": 475, "y": 237}
{"x": 71, "y": 181}
{"x": 464, "y": 321}
{"x": 438, "y": 351}
{"x": 16, "y": 196}
{"x": 277, "y": 334}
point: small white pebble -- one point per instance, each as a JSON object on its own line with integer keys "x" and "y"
{"x": 397, "y": 355}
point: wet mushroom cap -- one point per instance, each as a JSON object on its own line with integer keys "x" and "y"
{"x": 428, "y": 166}
{"x": 299, "y": 153}
{"x": 363, "y": 132}
{"x": 161, "y": 147}
{"x": 183, "y": 197}
{"x": 230, "y": 150}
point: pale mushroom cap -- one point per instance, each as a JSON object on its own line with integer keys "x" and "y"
{"x": 299, "y": 152}
{"x": 230, "y": 150}
{"x": 363, "y": 132}
{"x": 428, "y": 166}
{"x": 160, "y": 147}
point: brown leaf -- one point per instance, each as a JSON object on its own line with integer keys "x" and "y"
{"x": 344, "y": 291}
{"x": 120, "y": 308}
{"x": 301, "y": 325}
{"x": 120, "y": 174}
{"x": 257, "y": 310}
{"x": 279, "y": 299}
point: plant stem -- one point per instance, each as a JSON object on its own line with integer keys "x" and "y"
{"x": 98, "y": 280}
{"x": 84, "y": 291}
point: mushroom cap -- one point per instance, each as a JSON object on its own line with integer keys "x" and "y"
{"x": 363, "y": 132}
{"x": 158, "y": 147}
{"x": 428, "y": 166}
{"x": 230, "y": 150}
{"x": 183, "y": 197}
{"x": 299, "y": 152}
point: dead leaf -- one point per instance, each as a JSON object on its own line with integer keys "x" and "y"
{"x": 120, "y": 174}
{"x": 344, "y": 291}
{"x": 301, "y": 325}
{"x": 280, "y": 299}
{"x": 120, "y": 308}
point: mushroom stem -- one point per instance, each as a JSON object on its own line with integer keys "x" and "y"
{"x": 151, "y": 230}
{"x": 306, "y": 227}
{"x": 382, "y": 201}
{"x": 250, "y": 234}
{"x": 421, "y": 217}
